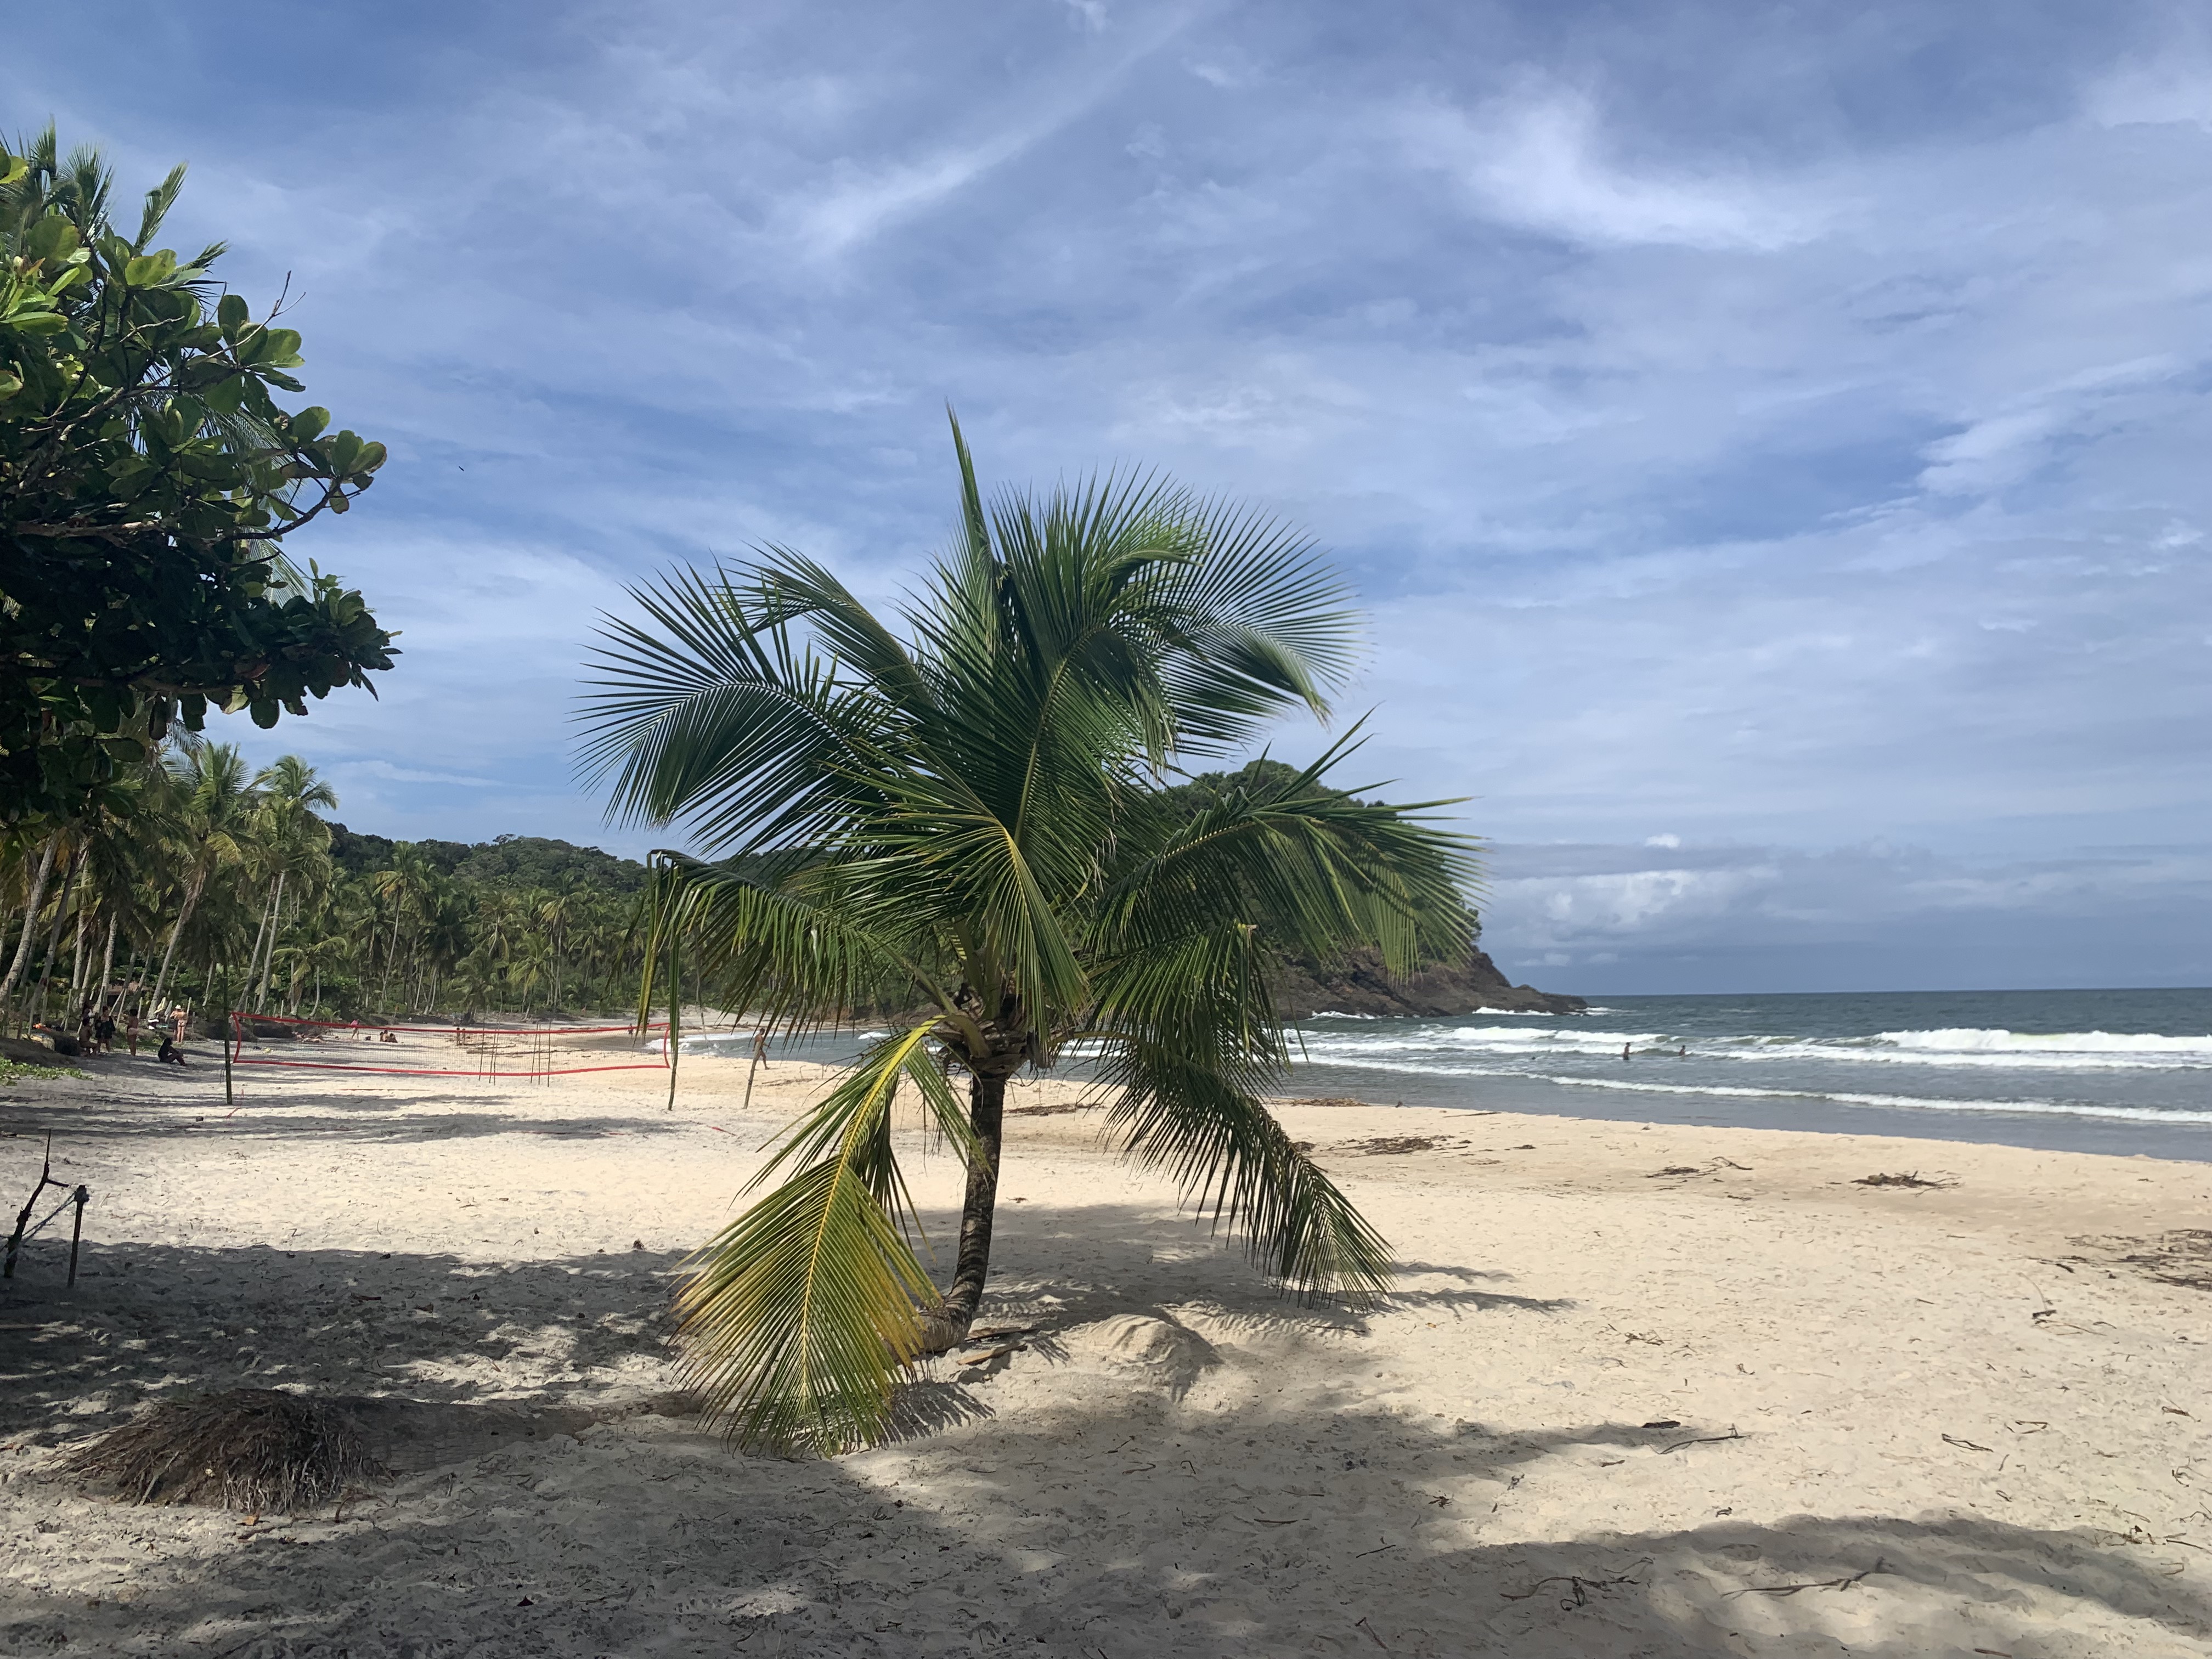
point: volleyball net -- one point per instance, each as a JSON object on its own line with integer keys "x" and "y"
{"x": 525, "y": 1053}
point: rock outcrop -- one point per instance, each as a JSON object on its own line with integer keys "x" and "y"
{"x": 1360, "y": 987}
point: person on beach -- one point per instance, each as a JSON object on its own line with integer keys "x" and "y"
{"x": 178, "y": 1019}
{"x": 170, "y": 1054}
{"x": 131, "y": 1023}
{"x": 103, "y": 1031}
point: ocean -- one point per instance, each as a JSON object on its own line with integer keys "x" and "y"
{"x": 2070, "y": 1071}
{"x": 2121, "y": 1071}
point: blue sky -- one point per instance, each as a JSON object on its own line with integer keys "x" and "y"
{"x": 1773, "y": 441}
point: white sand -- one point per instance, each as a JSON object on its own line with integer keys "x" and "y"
{"x": 1969, "y": 1394}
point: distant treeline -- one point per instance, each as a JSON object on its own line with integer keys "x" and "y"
{"x": 506, "y": 861}
{"x": 194, "y": 879}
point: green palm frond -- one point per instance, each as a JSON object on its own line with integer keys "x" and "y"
{"x": 720, "y": 720}
{"x": 1232, "y": 1160}
{"x": 799, "y": 1317}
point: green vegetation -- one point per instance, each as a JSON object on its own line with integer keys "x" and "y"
{"x": 967, "y": 817}
{"x": 196, "y": 880}
{"x": 148, "y": 475}
{"x": 13, "y": 1071}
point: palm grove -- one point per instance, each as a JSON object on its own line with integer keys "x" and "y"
{"x": 964, "y": 821}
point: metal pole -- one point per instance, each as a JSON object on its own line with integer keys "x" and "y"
{"x": 76, "y": 1232}
{"x": 675, "y": 1002}
{"x": 229, "y": 1026}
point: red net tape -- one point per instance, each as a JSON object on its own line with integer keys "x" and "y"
{"x": 448, "y": 1030}
{"x": 521, "y": 1053}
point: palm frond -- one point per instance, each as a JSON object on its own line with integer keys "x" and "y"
{"x": 714, "y": 717}
{"x": 1232, "y": 1160}
{"x": 799, "y": 1319}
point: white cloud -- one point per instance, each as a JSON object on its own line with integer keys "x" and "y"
{"x": 1541, "y": 159}
{"x": 1598, "y": 908}
{"x": 2173, "y": 87}
{"x": 378, "y": 769}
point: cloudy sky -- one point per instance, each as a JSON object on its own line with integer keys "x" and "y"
{"x": 1773, "y": 441}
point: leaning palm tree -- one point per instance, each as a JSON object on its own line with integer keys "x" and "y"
{"x": 967, "y": 815}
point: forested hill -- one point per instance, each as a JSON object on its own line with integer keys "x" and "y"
{"x": 534, "y": 862}
{"x": 1448, "y": 981}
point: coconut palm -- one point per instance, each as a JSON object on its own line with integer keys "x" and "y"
{"x": 294, "y": 846}
{"x": 215, "y": 806}
{"x": 965, "y": 814}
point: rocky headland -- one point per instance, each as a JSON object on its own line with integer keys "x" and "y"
{"x": 1360, "y": 986}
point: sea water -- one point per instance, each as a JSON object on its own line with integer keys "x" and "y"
{"x": 2087, "y": 1071}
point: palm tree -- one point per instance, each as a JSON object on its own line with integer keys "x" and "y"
{"x": 214, "y": 804}
{"x": 294, "y": 842}
{"x": 967, "y": 816}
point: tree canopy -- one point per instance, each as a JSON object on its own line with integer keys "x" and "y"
{"x": 969, "y": 812}
{"x": 147, "y": 477}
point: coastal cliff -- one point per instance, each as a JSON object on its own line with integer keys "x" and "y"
{"x": 1360, "y": 987}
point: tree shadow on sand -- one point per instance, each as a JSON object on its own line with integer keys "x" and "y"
{"x": 1109, "y": 1507}
{"x": 1099, "y": 1532}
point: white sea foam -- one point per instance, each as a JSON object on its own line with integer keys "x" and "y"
{"x": 1973, "y": 1040}
{"x": 2040, "y": 1108}
{"x": 1969, "y": 1049}
{"x": 1846, "y": 1097}
{"x": 710, "y": 1043}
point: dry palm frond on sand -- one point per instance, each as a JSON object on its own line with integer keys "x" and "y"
{"x": 254, "y": 1450}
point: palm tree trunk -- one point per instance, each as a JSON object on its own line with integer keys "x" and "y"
{"x": 254, "y": 957}
{"x": 76, "y": 961}
{"x": 107, "y": 959}
{"x": 36, "y": 902}
{"x": 391, "y": 950}
{"x": 192, "y": 890}
{"x": 54, "y": 938}
{"x": 269, "y": 951}
{"x": 987, "y": 1111}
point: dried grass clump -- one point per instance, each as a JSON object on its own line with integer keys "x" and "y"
{"x": 255, "y": 1449}
{"x": 1383, "y": 1145}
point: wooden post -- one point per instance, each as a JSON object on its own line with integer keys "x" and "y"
{"x": 76, "y": 1232}
{"x": 16, "y": 1239}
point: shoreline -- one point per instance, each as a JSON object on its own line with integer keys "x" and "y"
{"x": 2089, "y": 1130}
{"x": 1680, "y": 1364}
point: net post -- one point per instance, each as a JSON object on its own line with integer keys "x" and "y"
{"x": 230, "y": 1026}
{"x": 77, "y": 1232}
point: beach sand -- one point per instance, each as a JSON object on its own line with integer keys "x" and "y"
{"x": 1645, "y": 1391}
